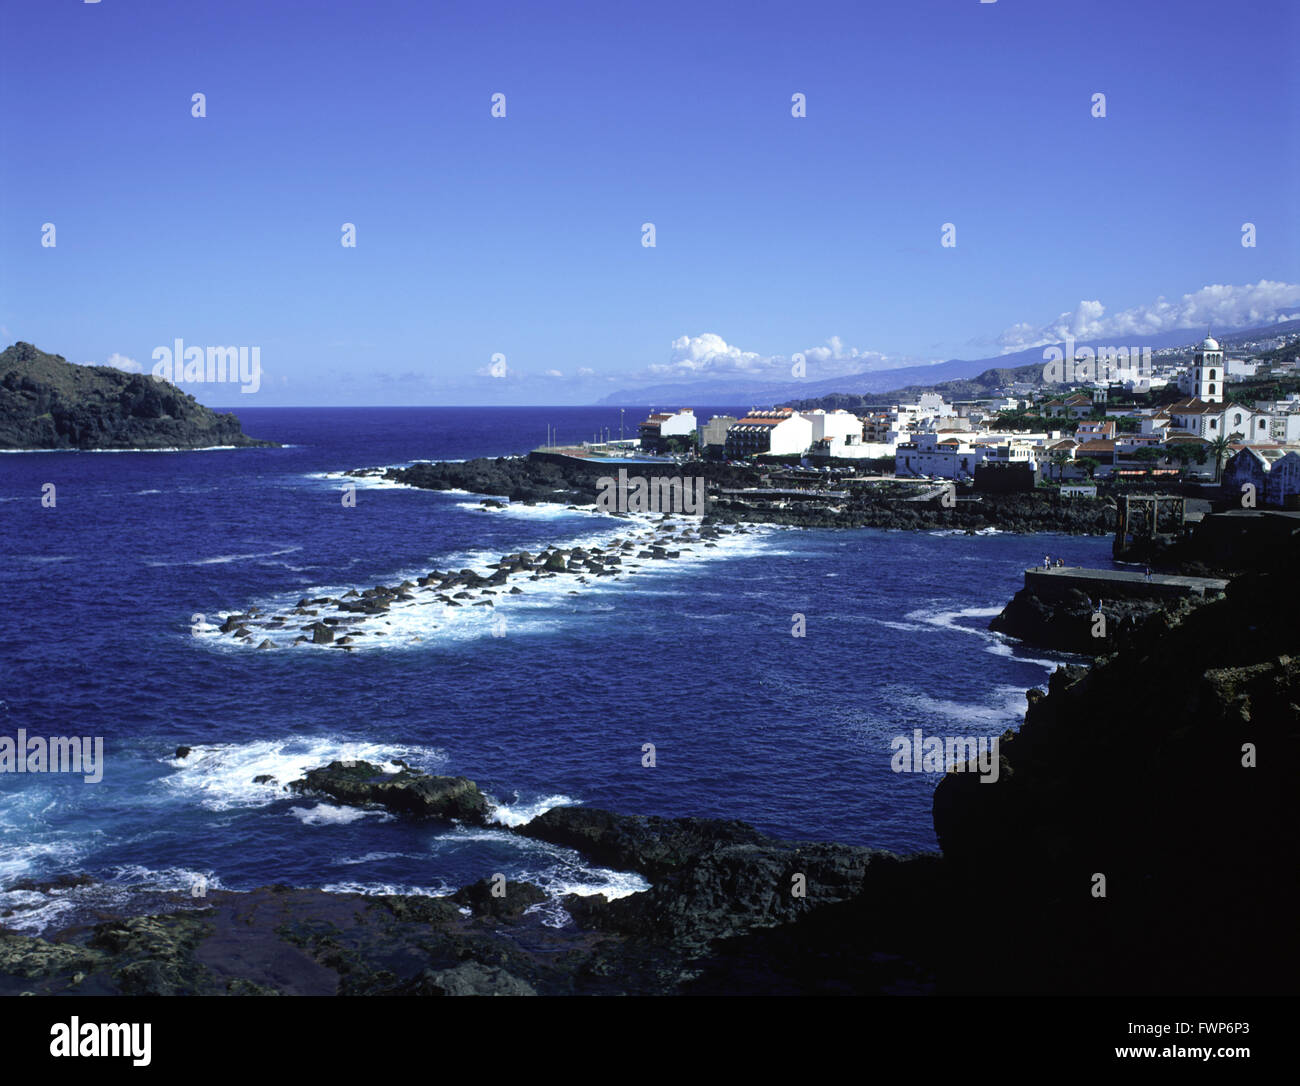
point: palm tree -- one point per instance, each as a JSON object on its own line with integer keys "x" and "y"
{"x": 1220, "y": 447}
{"x": 1061, "y": 459}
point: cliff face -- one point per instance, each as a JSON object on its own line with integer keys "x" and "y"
{"x": 1135, "y": 770}
{"x": 48, "y": 403}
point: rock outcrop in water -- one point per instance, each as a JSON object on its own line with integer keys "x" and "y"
{"x": 47, "y": 402}
{"x": 407, "y": 791}
{"x": 337, "y": 623}
{"x": 1066, "y": 624}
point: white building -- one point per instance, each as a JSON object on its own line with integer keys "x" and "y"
{"x": 837, "y": 424}
{"x": 659, "y": 427}
{"x": 1013, "y": 452}
{"x": 778, "y": 431}
{"x": 945, "y": 454}
{"x": 1211, "y": 420}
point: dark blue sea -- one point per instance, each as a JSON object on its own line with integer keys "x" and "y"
{"x": 110, "y": 598}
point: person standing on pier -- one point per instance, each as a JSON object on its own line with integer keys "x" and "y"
{"x": 1047, "y": 561}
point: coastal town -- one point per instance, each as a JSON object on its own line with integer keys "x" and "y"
{"x": 1212, "y": 420}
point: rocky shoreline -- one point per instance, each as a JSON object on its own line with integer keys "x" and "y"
{"x": 1138, "y": 831}
{"x": 887, "y": 504}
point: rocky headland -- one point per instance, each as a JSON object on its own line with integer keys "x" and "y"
{"x": 543, "y": 477}
{"x": 47, "y": 402}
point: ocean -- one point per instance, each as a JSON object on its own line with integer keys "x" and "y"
{"x": 111, "y": 596}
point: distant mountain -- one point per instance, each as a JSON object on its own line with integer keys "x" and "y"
{"x": 979, "y": 387}
{"x": 48, "y": 403}
{"x": 731, "y": 390}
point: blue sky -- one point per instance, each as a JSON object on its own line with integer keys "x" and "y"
{"x": 522, "y": 236}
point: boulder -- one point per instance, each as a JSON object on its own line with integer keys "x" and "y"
{"x": 406, "y": 792}
{"x": 518, "y": 896}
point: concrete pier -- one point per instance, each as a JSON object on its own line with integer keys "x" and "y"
{"x": 1115, "y": 584}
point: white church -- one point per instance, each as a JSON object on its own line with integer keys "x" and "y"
{"x": 1206, "y": 414}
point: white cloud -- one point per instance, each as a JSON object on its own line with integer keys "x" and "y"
{"x": 121, "y": 362}
{"x": 1218, "y": 306}
{"x": 553, "y": 373}
{"x": 583, "y": 371}
{"x": 709, "y": 355}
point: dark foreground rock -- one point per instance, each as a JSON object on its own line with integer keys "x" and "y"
{"x": 1165, "y": 770}
{"x": 709, "y": 879}
{"x": 47, "y": 402}
{"x": 1070, "y": 624}
{"x": 406, "y": 792}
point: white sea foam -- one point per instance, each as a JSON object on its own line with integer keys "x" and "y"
{"x": 1003, "y": 708}
{"x": 902, "y": 627}
{"x": 139, "y": 877}
{"x": 385, "y": 888}
{"x": 221, "y": 776}
{"x": 42, "y": 911}
{"x": 554, "y": 868}
{"x": 362, "y": 482}
{"x": 537, "y": 511}
{"x": 538, "y": 607}
{"x": 170, "y": 449}
{"x": 327, "y": 814}
{"x": 518, "y": 813}
{"x": 222, "y": 559}
{"x": 950, "y": 620}
{"x": 20, "y": 859}
{"x": 995, "y": 643}
{"x": 374, "y": 857}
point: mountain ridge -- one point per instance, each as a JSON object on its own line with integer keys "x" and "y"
{"x": 729, "y": 390}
